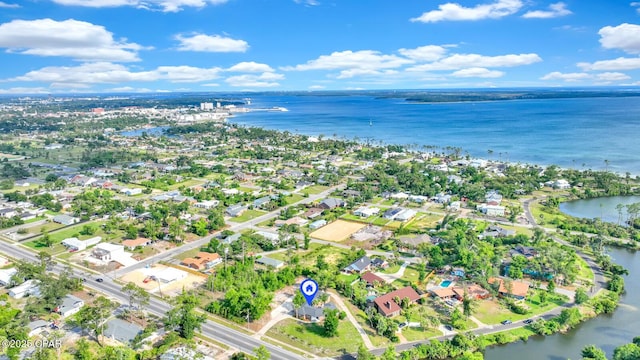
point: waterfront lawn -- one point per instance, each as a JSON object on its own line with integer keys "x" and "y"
{"x": 537, "y": 209}
{"x": 314, "y": 189}
{"x": 492, "y": 312}
{"x": 248, "y": 215}
{"x": 418, "y": 333}
{"x": 585, "y": 271}
{"x": 310, "y": 337}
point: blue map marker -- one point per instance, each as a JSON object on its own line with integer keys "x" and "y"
{"x": 309, "y": 289}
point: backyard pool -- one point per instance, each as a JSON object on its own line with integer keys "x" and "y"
{"x": 445, "y": 283}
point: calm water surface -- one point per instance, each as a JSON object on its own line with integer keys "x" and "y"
{"x": 603, "y": 207}
{"x": 578, "y": 133}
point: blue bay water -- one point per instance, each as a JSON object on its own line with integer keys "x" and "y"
{"x": 579, "y": 133}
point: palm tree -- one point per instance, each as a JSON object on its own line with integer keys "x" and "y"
{"x": 469, "y": 304}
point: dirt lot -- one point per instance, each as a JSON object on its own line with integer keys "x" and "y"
{"x": 137, "y": 277}
{"x": 338, "y": 230}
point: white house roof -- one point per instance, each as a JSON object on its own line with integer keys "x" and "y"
{"x": 110, "y": 247}
{"x": 6, "y": 274}
{"x": 170, "y": 274}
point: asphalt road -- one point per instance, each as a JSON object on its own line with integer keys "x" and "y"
{"x": 158, "y": 307}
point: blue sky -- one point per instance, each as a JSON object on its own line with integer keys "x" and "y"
{"x": 85, "y": 46}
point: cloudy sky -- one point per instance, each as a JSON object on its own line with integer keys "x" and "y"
{"x": 72, "y": 46}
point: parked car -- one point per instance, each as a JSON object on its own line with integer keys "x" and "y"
{"x": 506, "y": 322}
{"x": 528, "y": 321}
{"x": 99, "y": 280}
{"x": 448, "y": 328}
{"x": 404, "y": 324}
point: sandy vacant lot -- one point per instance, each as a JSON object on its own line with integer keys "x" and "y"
{"x": 337, "y": 230}
{"x": 137, "y": 277}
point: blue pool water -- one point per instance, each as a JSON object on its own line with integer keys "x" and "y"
{"x": 445, "y": 283}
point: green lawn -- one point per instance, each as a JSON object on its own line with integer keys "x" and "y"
{"x": 415, "y": 334}
{"x": 50, "y": 227}
{"x": 361, "y": 318}
{"x": 315, "y": 189}
{"x": 537, "y": 210}
{"x": 491, "y": 312}
{"x": 310, "y": 337}
{"x": 186, "y": 254}
{"x": 293, "y": 198}
{"x": 391, "y": 269}
{"x": 247, "y": 189}
{"x": 424, "y": 221}
{"x": 187, "y": 183}
{"x": 348, "y": 279}
{"x": 53, "y": 250}
{"x": 329, "y": 253}
{"x": 248, "y": 215}
{"x": 585, "y": 271}
{"x": 409, "y": 277}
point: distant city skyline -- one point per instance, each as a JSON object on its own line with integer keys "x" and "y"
{"x": 94, "y": 46}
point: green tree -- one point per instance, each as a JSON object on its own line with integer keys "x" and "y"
{"x": 592, "y": 352}
{"x": 331, "y": 323}
{"x": 262, "y": 353}
{"x": 182, "y": 317}
{"x": 581, "y": 296}
{"x": 364, "y": 354}
{"x": 389, "y": 353}
{"x": 551, "y": 286}
{"x": 298, "y": 301}
{"x": 469, "y": 304}
{"x": 83, "y": 350}
{"x": 627, "y": 352}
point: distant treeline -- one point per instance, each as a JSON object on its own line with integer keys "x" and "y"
{"x": 457, "y": 96}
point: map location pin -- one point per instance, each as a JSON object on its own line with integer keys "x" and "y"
{"x": 309, "y": 289}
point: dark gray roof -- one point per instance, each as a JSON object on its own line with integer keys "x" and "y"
{"x": 359, "y": 264}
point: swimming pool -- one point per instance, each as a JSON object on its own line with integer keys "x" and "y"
{"x": 446, "y": 283}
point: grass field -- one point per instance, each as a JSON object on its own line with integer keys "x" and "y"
{"x": 315, "y": 189}
{"x": 424, "y": 221}
{"x": 330, "y": 254}
{"x": 337, "y": 230}
{"x": 187, "y": 183}
{"x": 311, "y": 338}
{"x": 293, "y": 198}
{"x": 491, "y": 312}
{"x": 415, "y": 334}
{"x": 248, "y": 215}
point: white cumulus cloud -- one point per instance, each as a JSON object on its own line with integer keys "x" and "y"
{"x": 250, "y": 66}
{"x": 267, "y": 79}
{"x": 424, "y": 53}
{"x": 625, "y": 37}
{"x": 210, "y": 43}
{"x": 162, "y": 5}
{"x": 4, "y": 5}
{"x": 569, "y": 77}
{"x": 110, "y": 73}
{"x": 461, "y": 61}
{"x": 477, "y": 72}
{"x": 457, "y": 12}
{"x": 353, "y": 63}
{"x": 79, "y": 40}
{"x": 612, "y": 76}
{"x": 555, "y": 10}
{"x": 618, "y": 64}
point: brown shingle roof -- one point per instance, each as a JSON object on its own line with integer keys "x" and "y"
{"x": 135, "y": 242}
{"x": 371, "y": 278}
{"x": 388, "y": 306}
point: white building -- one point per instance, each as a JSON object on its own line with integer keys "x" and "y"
{"x": 207, "y": 204}
{"x": 366, "y": 211}
{"x": 405, "y": 215}
{"x": 29, "y": 287}
{"x": 131, "y": 192}
{"x": 79, "y": 245}
{"x": 169, "y": 274}
{"x": 562, "y": 184}
{"x": 107, "y": 251}
{"x": 206, "y": 106}
{"x": 5, "y": 276}
{"x": 273, "y": 237}
{"x": 492, "y": 210}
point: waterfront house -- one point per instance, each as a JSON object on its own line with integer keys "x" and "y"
{"x": 510, "y": 288}
{"x": 388, "y": 307}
